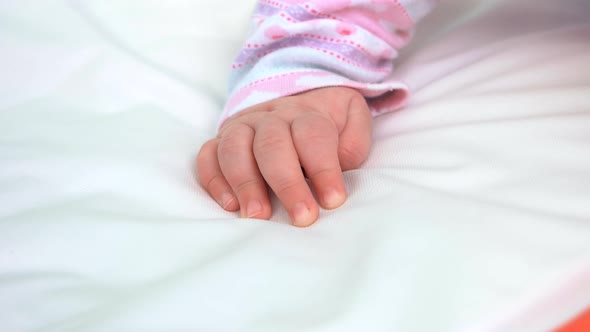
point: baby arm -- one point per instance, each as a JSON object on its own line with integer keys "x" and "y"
{"x": 303, "y": 90}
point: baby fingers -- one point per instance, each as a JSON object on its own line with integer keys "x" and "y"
{"x": 279, "y": 164}
{"x": 237, "y": 162}
{"x": 316, "y": 141}
{"x": 212, "y": 179}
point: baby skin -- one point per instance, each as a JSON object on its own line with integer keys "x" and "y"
{"x": 303, "y": 89}
{"x": 316, "y": 134}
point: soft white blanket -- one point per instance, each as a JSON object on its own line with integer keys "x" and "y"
{"x": 472, "y": 213}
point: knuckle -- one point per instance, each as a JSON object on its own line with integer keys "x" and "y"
{"x": 236, "y": 122}
{"x": 319, "y": 128}
{"x": 235, "y": 140}
{"x": 244, "y": 185}
{"x": 228, "y": 147}
{"x": 314, "y": 128}
{"x": 270, "y": 135}
{"x": 320, "y": 172}
{"x": 309, "y": 136}
{"x": 211, "y": 183}
{"x": 269, "y": 143}
{"x": 352, "y": 156}
{"x": 284, "y": 186}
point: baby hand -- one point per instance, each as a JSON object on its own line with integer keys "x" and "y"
{"x": 323, "y": 132}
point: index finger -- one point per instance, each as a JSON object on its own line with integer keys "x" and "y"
{"x": 279, "y": 164}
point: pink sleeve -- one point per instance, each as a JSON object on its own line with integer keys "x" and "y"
{"x": 297, "y": 45}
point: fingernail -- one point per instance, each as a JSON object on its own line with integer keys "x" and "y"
{"x": 301, "y": 215}
{"x": 253, "y": 209}
{"x": 226, "y": 200}
{"x": 333, "y": 198}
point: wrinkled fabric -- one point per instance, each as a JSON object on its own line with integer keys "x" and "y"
{"x": 470, "y": 215}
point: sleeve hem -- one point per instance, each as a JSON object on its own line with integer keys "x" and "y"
{"x": 381, "y": 97}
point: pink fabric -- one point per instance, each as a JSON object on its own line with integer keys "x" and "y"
{"x": 296, "y": 46}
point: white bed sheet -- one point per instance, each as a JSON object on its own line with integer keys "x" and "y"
{"x": 472, "y": 213}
